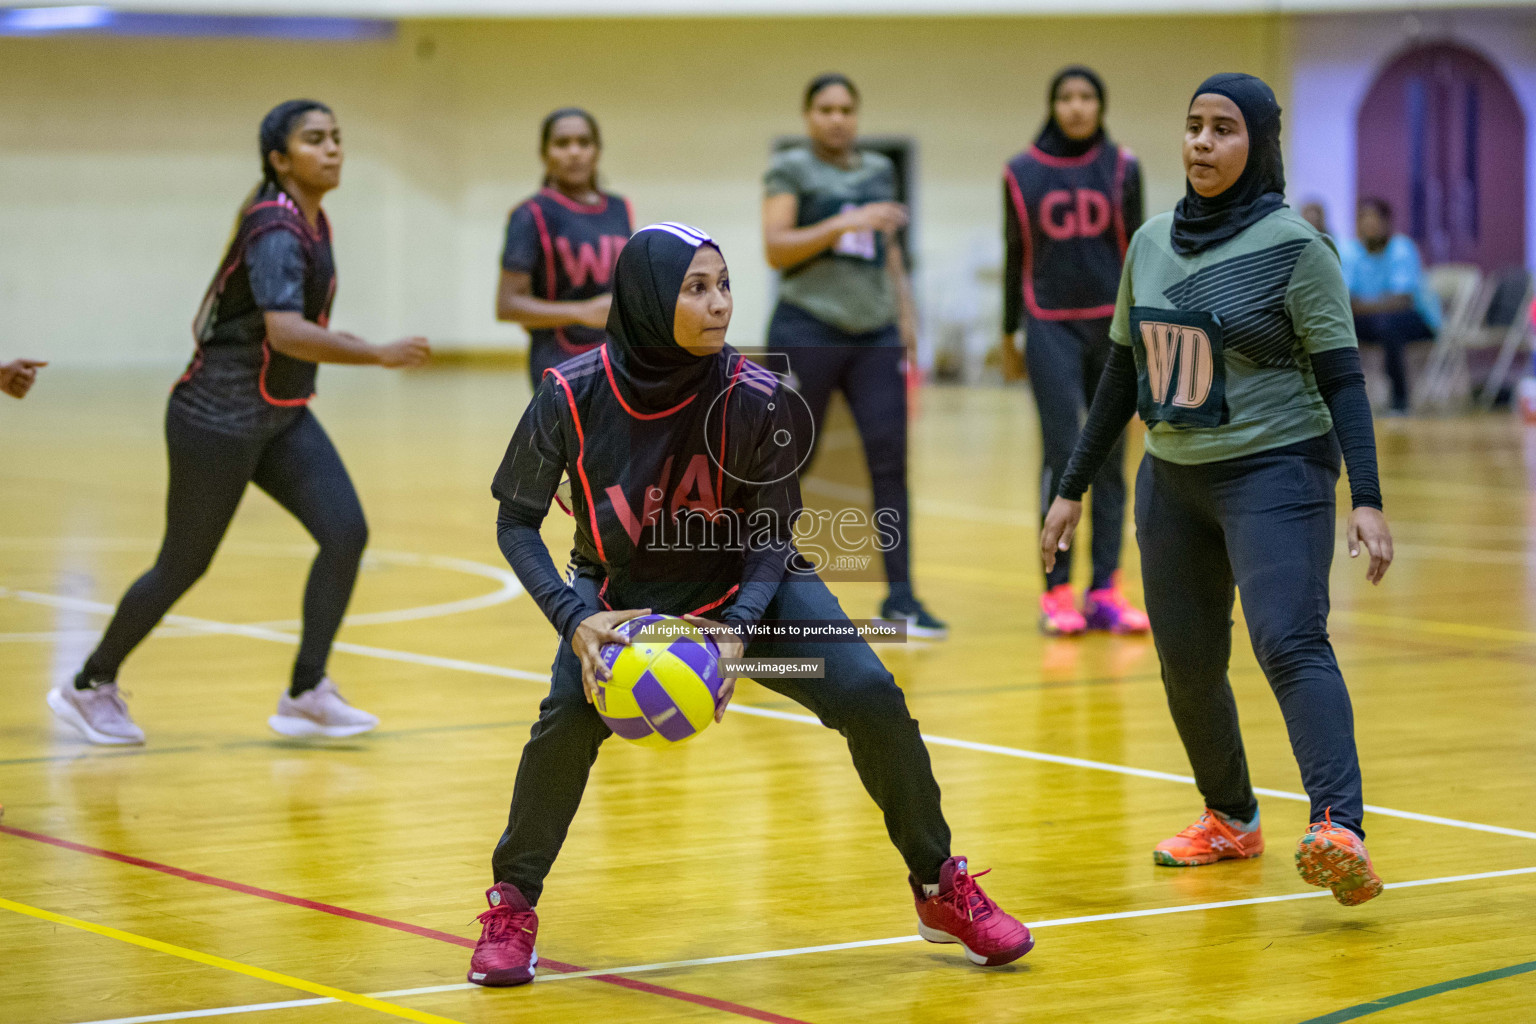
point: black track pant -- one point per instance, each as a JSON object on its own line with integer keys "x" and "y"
{"x": 1394, "y": 332}
{"x": 1264, "y": 523}
{"x": 867, "y": 369}
{"x": 209, "y": 470}
{"x": 858, "y": 698}
{"x": 1065, "y": 360}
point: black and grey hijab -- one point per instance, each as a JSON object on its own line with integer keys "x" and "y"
{"x": 1052, "y": 141}
{"x": 1200, "y": 222}
{"x": 655, "y": 370}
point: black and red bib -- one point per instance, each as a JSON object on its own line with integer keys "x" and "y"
{"x": 1071, "y": 216}
{"x": 230, "y": 321}
{"x": 568, "y": 249}
{"x": 667, "y": 502}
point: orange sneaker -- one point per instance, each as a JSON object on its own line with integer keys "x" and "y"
{"x": 1330, "y": 856}
{"x": 1207, "y": 841}
{"x": 1058, "y": 612}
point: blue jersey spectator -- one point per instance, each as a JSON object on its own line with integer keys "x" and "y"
{"x": 1391, "y": 300}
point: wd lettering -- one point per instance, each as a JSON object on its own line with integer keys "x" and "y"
{"x": 1188, "y": 348}
{"x": 1180, "y": 367}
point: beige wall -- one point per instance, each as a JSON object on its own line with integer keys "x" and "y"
{"x": 122, "y": 161}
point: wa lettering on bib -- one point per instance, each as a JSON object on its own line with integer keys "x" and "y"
{"x": 1181, "y": 374}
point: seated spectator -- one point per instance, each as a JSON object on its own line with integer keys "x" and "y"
{"x": 1314, "y": 213}
{"x": 1392, "y": 302}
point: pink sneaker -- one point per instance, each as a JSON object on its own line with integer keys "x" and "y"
{"x": 1058, "y": 613}
{"x": 505, "y": 954}
{"x": 1108, "y": 609}
{"x": 961, "y": 912}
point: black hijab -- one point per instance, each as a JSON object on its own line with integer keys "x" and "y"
{"x": 1200, "y": 222}
{"x": 1052, "y": 141}
{"x": 657, "y": 371}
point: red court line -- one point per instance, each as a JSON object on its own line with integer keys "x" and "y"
{"x": 384, "y": 922}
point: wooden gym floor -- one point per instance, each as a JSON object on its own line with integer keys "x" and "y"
{"x": 221, "y": 872}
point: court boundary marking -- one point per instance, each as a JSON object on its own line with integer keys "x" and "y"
{"x": 510, "y": 589}
{"x": 709, "y": 1002}
{"x": 1413, "y": 995}
{"x": 480, "y": 668}
{"x": 332, "y": 994}
{"x": 613, "y": 972}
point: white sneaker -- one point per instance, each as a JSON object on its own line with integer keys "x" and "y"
{"x": 98, "y": 713}
{"x": 322, "y": 711}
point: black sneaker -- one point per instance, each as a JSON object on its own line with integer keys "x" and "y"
{"x": 920, "y": 624}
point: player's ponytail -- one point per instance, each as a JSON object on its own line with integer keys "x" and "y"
{"x": 547, "y": 128}
{"x": 273, "y": 136}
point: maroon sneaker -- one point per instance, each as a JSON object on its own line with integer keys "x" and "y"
{"x": 505, "y": 954}
{"x": 961, "y": 912}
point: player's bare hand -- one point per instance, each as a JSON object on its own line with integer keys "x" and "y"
{"x": 882, "y": 217}
{"x": 730, "y": 646}
{"x": 594, "y": 311}
{"x": 1368, "y": 529}
{"x": 18, "y": 376}
{"x": 1060, "y": 525}
{"x": 591, "y": 636}
{"x": 407, "y": 353}
{"x": 1012, "y": 360}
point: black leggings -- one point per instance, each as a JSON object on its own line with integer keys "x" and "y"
{"x": 867, "y": 368}
{"x": 858, "y": 697}
{"x": 1065, "y": 361}
{"x": 300, "y": 469}
{"x": 1265, "y": 524}
{"x": 1394, "y": 332}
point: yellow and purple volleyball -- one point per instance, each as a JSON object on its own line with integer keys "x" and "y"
{"x": 662, "y": 687}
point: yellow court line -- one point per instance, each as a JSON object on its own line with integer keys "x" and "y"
{"x": 1460, "y": 629}
{"x": 315, "y": 988}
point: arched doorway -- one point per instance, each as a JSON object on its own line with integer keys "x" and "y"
{"x": 1441, "y": 137}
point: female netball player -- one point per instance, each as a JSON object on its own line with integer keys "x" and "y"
{"x": 240, "y": 415}
{"x": 1234, "y": 341}
{"x": 1070, "y": 202}
{"x": 18, "y": 376}
{"x": 845, "y": 318}
{"x": 663, "y": 426}
{"x": 557, "y": 265}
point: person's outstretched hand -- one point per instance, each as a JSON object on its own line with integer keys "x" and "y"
{"x": 18, "y": 376}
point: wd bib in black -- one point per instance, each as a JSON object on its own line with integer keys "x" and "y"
{"x": 231, "y": 325}
{"x": 1071, "y": 212}
{"x": 568, "y": 249}
{"x": 665, "y": 503}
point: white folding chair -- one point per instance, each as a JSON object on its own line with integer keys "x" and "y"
{"x": 1463, "y": 303}
{"x": 1509, "y": 318}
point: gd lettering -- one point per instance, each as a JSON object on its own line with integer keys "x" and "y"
{"x": 1080, "y": 214}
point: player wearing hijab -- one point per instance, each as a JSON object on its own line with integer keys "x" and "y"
{"x": 240, "y": 415}
{"x": 1070, "y": 202}
{"x": 665, "y": 431}
{"x": 562, "y": 243}
{"x": 1234, "y": 341}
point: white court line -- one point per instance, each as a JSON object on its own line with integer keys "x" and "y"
{"x": 774, "y": 954}
{"x": 1141, "y": 773}
{"x": 510, "y": 588}
{"x": 478, "y": 668}
{"x": 277, "y": 636}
